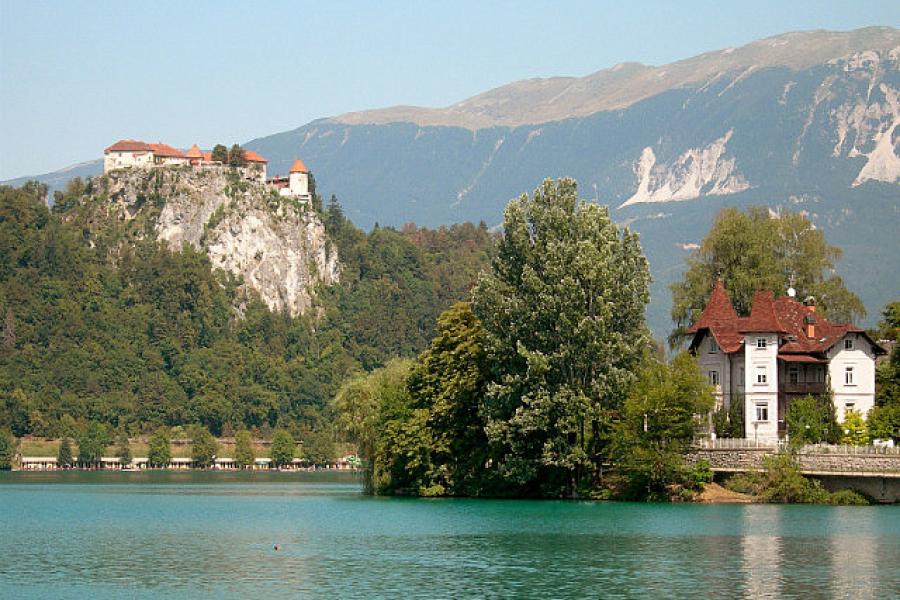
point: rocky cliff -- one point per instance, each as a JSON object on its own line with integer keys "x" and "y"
{"x": 275, "y": 244}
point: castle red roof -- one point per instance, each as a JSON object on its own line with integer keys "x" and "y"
{"x": 299, "y": 167}
{"x": 251, "y": 156}
{"x": 129, "y": 146}
{"x": 161, "y": 149}
{"x": 194, "y": 152}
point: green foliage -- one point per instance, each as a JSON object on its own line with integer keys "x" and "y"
{"x": 92, "y": 441}
{"x": 812, "y": 420}
{"x": 159, "y": 453}
{"x": 728, "y": 422}
{"x": 884, "y": 422}
{"x": 283, "y": 446}
{"x": 236, "y": 156}
{"x": 847, "y": 498}
{"x": 7, "y": 450}
{"x": 783, "y": 483}
{"x": 319, "y": 448}
{"x": 203, "y": 446}
{"x": 243, "y": 449}
{"x": 658, "y": 424}
{"x": 752, "y": 251}
{"x": 123, "y": 448}
{"x": 64, "y": 456}
{"x": 887, "y": 374}
{"x": 220, "y": 154}
{"x": 855, "y": 432}
{"x": 562, "y": 310}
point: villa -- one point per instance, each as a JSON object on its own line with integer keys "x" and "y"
{"x": 782, "y": 351}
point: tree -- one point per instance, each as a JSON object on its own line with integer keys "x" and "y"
{"x": 562, "y": 310}
{"x": 160, "y": 453}
{"x": 854, "y": 429}
{"x": 887, "y": 374}
{"x": 203, "y": 447}
{"x": 318, "y": 447}
{"x": 243, "y": 449}
{"x": 658, "y": 425}
{"x": 7, "y": 450}
{"x": 729, "y": 422}
{"x": 752, "y": 251}
{"x": 283, "y": 445}
{"x": 220, "y": 154}
{"x": 64, "y": 454}
{"x": 123, "y": 448}
{"x": 884, "y": 422}
{"x": 9, "y": 332}
{"x": 811, "y": 420}
{"x": 236, "y": 156}
{"x": 91, "y": 443}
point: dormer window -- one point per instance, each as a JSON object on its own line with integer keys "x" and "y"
{"x": 713, "y": 347}
{"x": 760, "y": 343}
{"x": 848, "y": 344}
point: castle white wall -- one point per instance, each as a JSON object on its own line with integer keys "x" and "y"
{"x": 126, "y": 160}
{"x": 860, "y": 393}
{"x": 299, "y": 184}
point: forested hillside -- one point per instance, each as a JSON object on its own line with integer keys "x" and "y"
{"x": 156, "y": 338}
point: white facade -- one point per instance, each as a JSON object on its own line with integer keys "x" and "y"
{"x": 761, "y": 386}
{"x": 127, "y": 160}
{"x": 299, "y": 185}
{"x": 851, "y": 370}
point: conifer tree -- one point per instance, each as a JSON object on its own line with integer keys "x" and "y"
{"x": 243, "y": 449}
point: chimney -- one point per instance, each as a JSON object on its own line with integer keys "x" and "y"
{"x": 810, "y": 321}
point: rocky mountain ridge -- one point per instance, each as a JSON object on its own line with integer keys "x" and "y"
{"x": 276, "y": 245}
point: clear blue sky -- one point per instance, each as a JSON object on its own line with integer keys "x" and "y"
{"x": 76, "y": 76}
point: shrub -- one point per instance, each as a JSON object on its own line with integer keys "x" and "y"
{"x": 847, "y": 498}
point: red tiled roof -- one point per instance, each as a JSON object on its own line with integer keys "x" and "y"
{"x": 251, "y": 156}
{"x": 194, "y": 152}
{"x": 762, "y": 315}
{"x": 207, "y": 156}
{"x": 784, "y": 316}
{"x": 129, "y": 146}
{"x": 299, "y": 167}
{"x": 166, "y": 150}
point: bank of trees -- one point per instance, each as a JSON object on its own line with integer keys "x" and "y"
{"x": 137, "y": 337}
{"x": 523, "y": 391}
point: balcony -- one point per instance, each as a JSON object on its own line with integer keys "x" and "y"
{"x": 802, "y": 388}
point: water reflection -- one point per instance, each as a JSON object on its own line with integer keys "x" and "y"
{"x": 209, "y": 537}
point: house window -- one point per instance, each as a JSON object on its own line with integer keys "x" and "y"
{"x": 848, "y": 344}
{"x": 794, "y": 375}
{"x": 714, "y": 378}
{"x": 849, "y": 406}
{"x": 848, "y": 375}
{"x": 762, "y": 411}
{"x": 713, "y": 347}
{"x": 760, "y": 342}
{"x": 761, "y": 375}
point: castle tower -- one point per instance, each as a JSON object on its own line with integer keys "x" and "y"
{"x": 298, "y": 181}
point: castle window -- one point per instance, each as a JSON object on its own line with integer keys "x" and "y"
{"x": 714, "y": 378}
{"x": 713, "y": 347}
{"x": 762, "y": 411}
{"x": 848, "y": 344}
{"x": 848, "y": 375}
{"x": 760, "y": 342}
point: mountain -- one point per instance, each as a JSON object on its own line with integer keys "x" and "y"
{"x": 806, "y": 121}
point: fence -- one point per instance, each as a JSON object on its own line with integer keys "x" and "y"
{"x": 750, "y": 444}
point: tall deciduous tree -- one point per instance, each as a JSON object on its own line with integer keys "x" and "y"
{"x": 91, "y": 443}
{"x": 203, "y": 446}
{"x": 236, "y": 156}
{"x": 283, "y": 445}
{"x": 123, "y": 448}
{"x": 160, "y": 453}
{"x": 562, "y": 310}
{"x": 220, "y": 153}
{"x": 243, "y": 449}
{"x": 754, "y": 250}
{"x": 64, "y": 453}
{"x": 7, "y": 449}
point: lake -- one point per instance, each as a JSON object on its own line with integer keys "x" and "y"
{"x": 211, "y": 535}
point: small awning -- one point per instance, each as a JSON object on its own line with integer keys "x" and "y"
{"x": 801, "y": 358}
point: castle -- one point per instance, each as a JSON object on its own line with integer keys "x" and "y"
{"x": 134, "y": 154}
{"x": 782, "y": 351}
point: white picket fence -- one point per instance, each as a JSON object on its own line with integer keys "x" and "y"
{"x": 750, "y": 444}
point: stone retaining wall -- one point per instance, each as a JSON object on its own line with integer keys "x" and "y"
{"x": 751, "y": 458}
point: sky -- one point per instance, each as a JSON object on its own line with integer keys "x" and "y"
{"x": 77, "y": 76}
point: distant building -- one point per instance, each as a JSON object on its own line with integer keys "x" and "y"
{"x": 135, "y": 154}
{"x": 784, "y": 350}
{"x": 296, "y": 184}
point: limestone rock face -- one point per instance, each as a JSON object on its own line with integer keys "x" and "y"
{"x": 277, "y": 245}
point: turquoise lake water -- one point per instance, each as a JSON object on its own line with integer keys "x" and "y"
{"x": 211, "y": 535}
